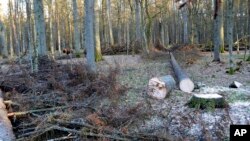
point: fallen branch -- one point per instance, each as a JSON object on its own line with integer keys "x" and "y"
{"x": 15, "y": 114}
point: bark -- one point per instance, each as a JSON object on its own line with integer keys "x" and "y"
{"x": 185, "y": 28}
{"x": 159, "y": 87}
{"x": 111, "y": 38}
{"x": 76, "y": 27}
{"x": 29, "y": 39}
{"x": 217, "y": 29}
{"x": 185, "y": 83}
{"x": 230, "y": 20}
{"x": 13, "y": 30}
{"x": 6, "y": 132}
{"x": 138, "y": 21}
{"x": 89, "y": 34}
{"x": 40, "y": 27}
{"x": 51, "y": 37}
{"x": 98, "y": 52}
{"x": 3, "y": 46}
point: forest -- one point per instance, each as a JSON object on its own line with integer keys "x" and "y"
{"x": 123, "y": 69}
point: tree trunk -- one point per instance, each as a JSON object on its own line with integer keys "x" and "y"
{"x": 13, "y": 30}
{"x": 6, "y": 132}
{"x": 30, "y": 46}
{"x": 98, "y": 52}
{"x": 217, "y": 29}
{"x": 3, "y": 46}
{"x": 159, "y": 87}
{"x": 76, "y": 27}
{"x": 51, "y": 37}
{"x": 185, "y": 28}
{"x": 111, "y": 38}
{"x": 138, "y": 22}
{"x": 185, "y": 83}
{"x": 89, "y": 34}
{"x": 40, "y": 28}
{"x": 229, "y": 11}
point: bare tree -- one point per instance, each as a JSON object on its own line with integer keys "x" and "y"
{"x": 217, "y": 28}
{"x": 89, "y": 34}
{"x": 77, "y": 43}
{"x": 111, "y": 38}
{"x": 40, "y": 28}
{"x": 98, "y": 53}
{"x": 230, "y": 19}
{"x": 3, "y": 46}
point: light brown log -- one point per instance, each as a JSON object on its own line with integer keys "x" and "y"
{"x": 185, "y": 83}
{"x": 6, "y": 132}
{"x": 159, "y": 87}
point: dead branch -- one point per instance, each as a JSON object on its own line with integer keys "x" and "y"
{"x": 16, "y": 114}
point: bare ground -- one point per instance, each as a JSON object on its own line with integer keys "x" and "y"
{"x": 130, "y": 114}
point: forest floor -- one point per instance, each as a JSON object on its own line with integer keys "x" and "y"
{"x": 66, "y": 102}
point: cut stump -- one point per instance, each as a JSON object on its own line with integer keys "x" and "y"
{"x": 159, "y": 87}
{"x": 207, "y": 101}
{"x": 185, "y": 83}
{"x": 6, "y": 132}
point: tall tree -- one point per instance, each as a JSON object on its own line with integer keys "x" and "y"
{"x": 40, "y": 27}
{"x": 217, "y": 28}
{"x": 77, "y": 43}
{"x": 89, "y": 34}
{"x": 29, "y": 32}
{"x": 51, "y": 37}
{"x": 111, "y": 38}
{"x": 13, "y": 30}
{"x": 98, "y": 53}
{"x": 3, "y": 46}
{"x": 138, "y": 21}
{"x": 230, "y": 20}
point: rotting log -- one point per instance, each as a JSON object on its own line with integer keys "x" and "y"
{"x": 185, "y": 83}
{"x": 6, "y": 132}
{"x": 159, "y": 87}
{"x": 207, "y": 101}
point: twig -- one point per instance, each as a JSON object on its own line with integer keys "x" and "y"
{"x": 63, "y": 138}
{"x": 9, "y": 102}
{"x": 35, "y": 111}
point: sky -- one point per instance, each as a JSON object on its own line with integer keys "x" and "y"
{"x": 3, "y": 6}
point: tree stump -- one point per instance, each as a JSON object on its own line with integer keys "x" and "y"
{"x": 6, "y": 132}
{"x": 185, "y": 83}
{"x": 159, "y": 87}
{"x": 207, "y": 101}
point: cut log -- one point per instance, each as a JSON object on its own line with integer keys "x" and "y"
{"x": 207, "y": 101}
{"x": 235, "y": 84}
{"x": 159, "y": 87}
{"x": 6, "y": 132}
{"x": 185, "y": 83}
